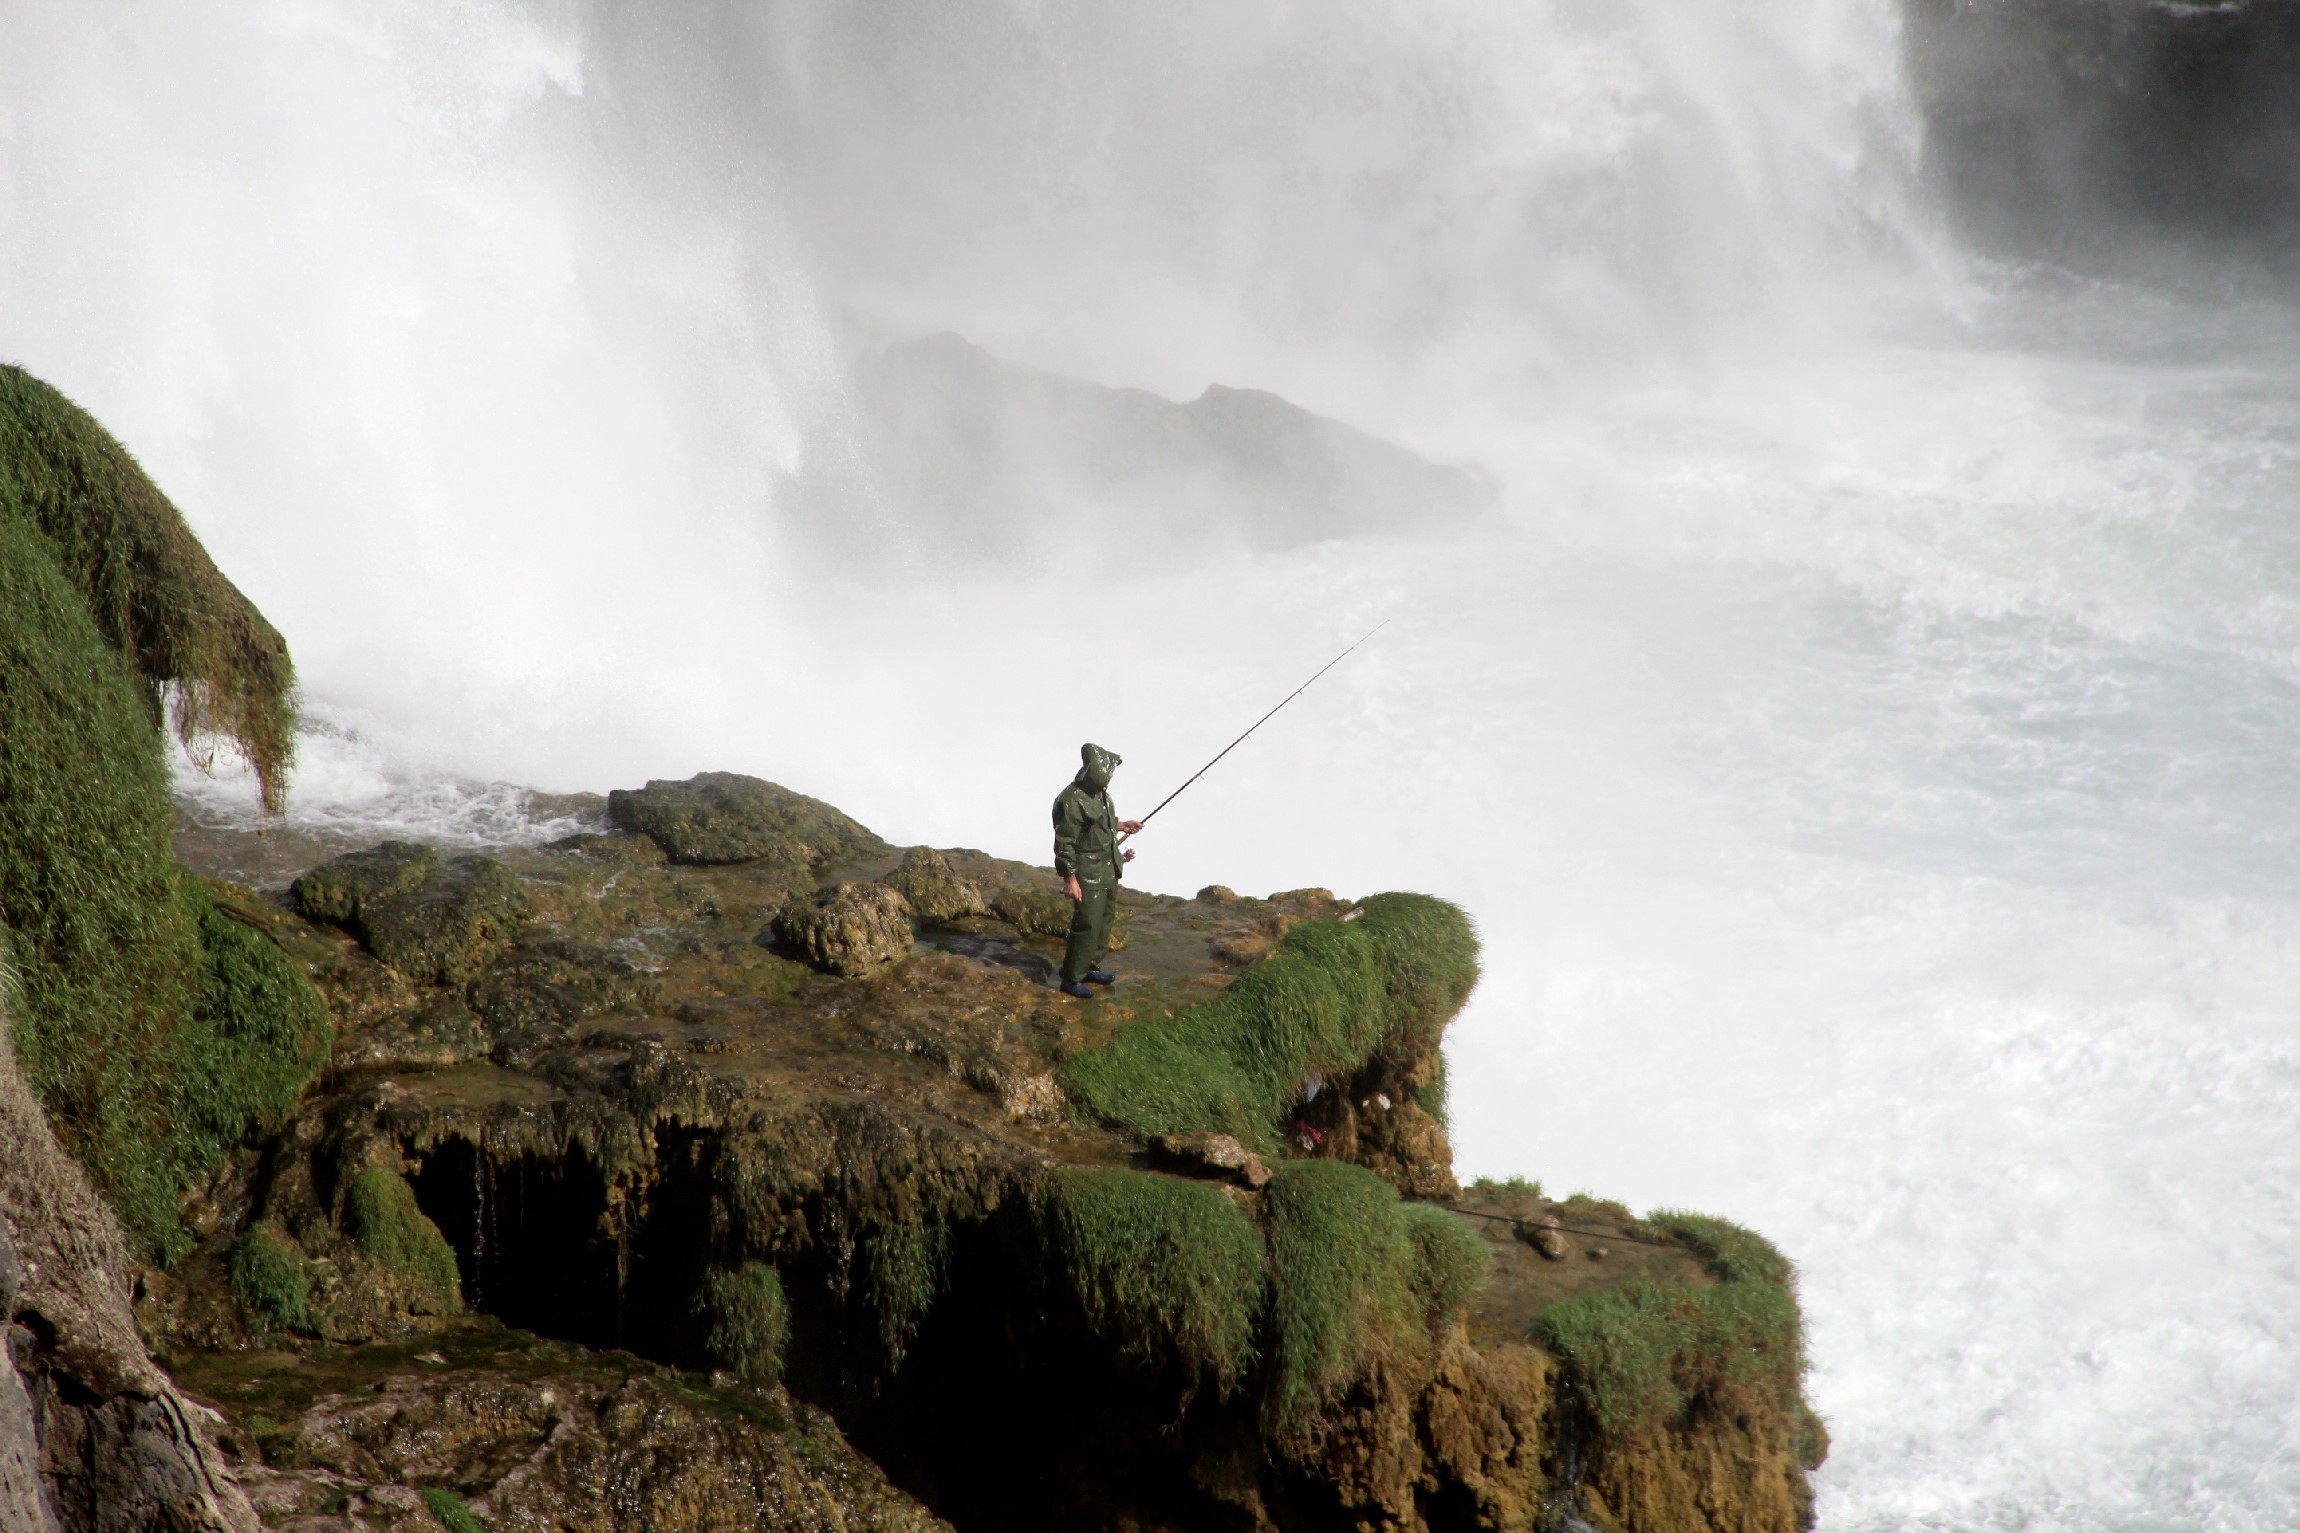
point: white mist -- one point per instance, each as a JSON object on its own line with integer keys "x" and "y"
{"x": 1863, "y": 729}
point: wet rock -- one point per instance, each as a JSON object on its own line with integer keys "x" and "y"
{"x": 433, "y": 921}
{"x": 1031, "y": 1098}
{"x": 338, "y": 892}
{"x": 935, "y": 892}
{"x": 1213, "y": 1155}
{"x": 622, "y": 1449}
{"x": 1036, "y": 909}
{"x": 449, "y": 928}
{"x": 536, "y": 993}
{"x": 1244, "y": 946}
{"x": 439, "y": 1032}
{"x": 722, "y": 817}
{"x": 1309, "y": 904}
{"x": 986, "y": 1024}
{"x": 854, "y": 929}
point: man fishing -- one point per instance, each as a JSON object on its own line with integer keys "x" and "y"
{"x": 1086, "y": 835}
{"x": 1086, "y": 854}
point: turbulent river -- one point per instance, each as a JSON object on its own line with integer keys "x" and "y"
{"x": 1864, "y": 724}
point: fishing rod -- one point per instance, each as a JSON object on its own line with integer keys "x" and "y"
{"x": 1257, "y": 724}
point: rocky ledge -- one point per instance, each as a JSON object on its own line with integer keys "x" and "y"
{"x": 731, "y": 1168}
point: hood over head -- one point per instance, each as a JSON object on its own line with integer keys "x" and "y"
{"x": 1098, "y": 765}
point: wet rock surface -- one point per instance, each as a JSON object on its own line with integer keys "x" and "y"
{"x": 434, "y": 920}
{"x": 530, "y": 1434}
{"x": 725, "y": 817}
{"x": 935, "y": 891}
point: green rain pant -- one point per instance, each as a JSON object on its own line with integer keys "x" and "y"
{"x": 1090, "y": 927}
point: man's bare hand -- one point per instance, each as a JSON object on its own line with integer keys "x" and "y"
{"x": 1127, "y": 855}
{"x": 1129, "y": 827}
{"x": 1070, "y": 888}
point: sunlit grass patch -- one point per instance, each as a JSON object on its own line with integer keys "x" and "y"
{"x": 1333, "y": 995}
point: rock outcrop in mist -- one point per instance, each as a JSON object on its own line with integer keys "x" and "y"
{"x": 2069, "y": 125}
{"x": 964, "y": 453}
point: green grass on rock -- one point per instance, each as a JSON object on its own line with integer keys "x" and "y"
{"x": 381, "y": 1217}
{"x": 1161, "y": 1267}
{"x": 1332, "y": 996}
{"x": 157, "y": 1033}
{"x": 746, "y": 1320}
{"x": 270, "y": 1279}
{"x": 1639, "y": 1355}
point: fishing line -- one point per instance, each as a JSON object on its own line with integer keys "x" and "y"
{"x": 1257, "y": 724}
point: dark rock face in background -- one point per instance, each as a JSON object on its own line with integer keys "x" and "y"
{"x": 2063, "y": 126}
{"x": 965, "y": 453}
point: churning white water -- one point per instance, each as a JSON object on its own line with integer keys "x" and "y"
{"x": 1863, "y": 726}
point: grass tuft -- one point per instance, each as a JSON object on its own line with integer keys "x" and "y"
{"x": 381, "y": 1216}
{"x": 746, "y": 1320}
{"x": 452, "y": 1514}
{"x": 1162, "y": 1267}
{"x": 903, "y": 1266}
{"x": 1731, "y": 1253}
{"x": 270, "y": 1279}
{"x": 1341, "y": 1266}
{"x": 1331, "y": 997}
{"x": 1450, "y": 1262}
{"x": 1639, "y": 1356}
{"x": 1521, "y": 1186}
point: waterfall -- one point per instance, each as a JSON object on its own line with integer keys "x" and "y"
{"x": 1862, "y": 720}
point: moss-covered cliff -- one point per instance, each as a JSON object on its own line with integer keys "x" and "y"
{"x": 640, "y": 1180}
{"x": 157, "y": 1031}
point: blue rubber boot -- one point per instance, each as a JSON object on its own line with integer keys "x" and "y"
{"x": 1073, "y": 987}
{"x": 1100, "y": 977}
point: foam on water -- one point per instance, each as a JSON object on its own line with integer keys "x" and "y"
{"x": 1864, "y": 729}
{"x": 354, "y": 790}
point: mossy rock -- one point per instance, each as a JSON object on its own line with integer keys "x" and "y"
{"x": 159, "y": 1031}
{"x": 723, "y": 817}
{"x": 854, "y": 929}
{"x": 435, "y": 920}
{"x": 448, "y": 1510}
{"x": 746, "y": 1321}
{"x": 936, "y": 893}
{"x": 1333, "y": 997}
{"x": 532, "y": 996}
{"x": 195, "y": 646}
{"x": 270, "y": 1278}
{"x": 1646, "y": 1355}
{"x": 1039, "y": 910}
{"x": 1164, "y": 1269}
{"x": 382, "y": 1219}
{"x": 341, "y": 891}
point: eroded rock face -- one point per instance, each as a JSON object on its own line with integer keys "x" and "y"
{"x": 725, "y": 817}
{"x": 112, "y": 1443}
{"x": 852, "y": 930}
{"x": 537, "y": 1436}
